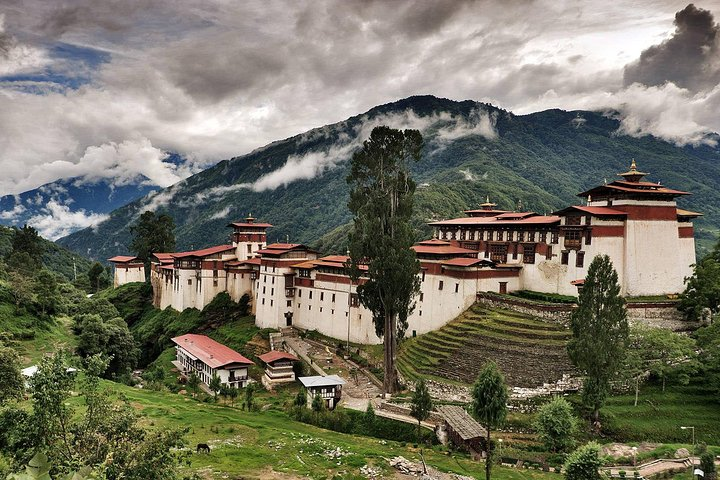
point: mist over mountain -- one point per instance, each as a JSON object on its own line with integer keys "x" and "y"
{"x": 473, "y": 150}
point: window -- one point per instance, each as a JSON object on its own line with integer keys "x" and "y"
{"x": 481, "y": 235}
{"x": 305, "y": 273}
{"x": 215, "y": 283}
{"x": 263, "y": 301}
{"x": 310, "y": 295}
{"x": 462, "y": 235}
{"x": 271, "y": 302}
{"x": 332, "y": 312}
{"x": 580, "y": 259}
{"x": 500, "y": 236}
{"x": 554, "y": 237}
{"x": 354, "y": 300}
{"x": 322, "y": 296}
{"x": 564, "y": 257}
{"x": 299, "y": 293}
{"x": 289, "y": 303}
{"x": 440, "y": 285}
{"x": 574, "y": 220}
{"x": 548, "y": 254}
{"x": 420, "y": 315}
{"x": 588, "y": 237}
{"x": 265, "y": 277}
{"x": 273, "y": 278}
{"x": 422, "y": 296}
{"x": 510, "y": 236}
{"x": 189, "y": 281}
{"x": 498, "y": 253}
{"x": 320, "y": 309}
{"x": 529, "y": 254}
{"x": 457, "y": 287}
{"x": 531, "y": 236}
{"x": 249, "y": 249}
{"x": 423, "y": 276}
{"x": 543, "y": 237}
{"x": 309, "y": 307}
{"x": 272, "y": 291}
{"x": 333, "y": 298}
{"x": 263, "y": 290}
{"x": 521, "y": 236}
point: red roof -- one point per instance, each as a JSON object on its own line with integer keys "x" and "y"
{"x": 164, "y": 257}
{"x": 515, "y": 215}
{"x": 249, "y": 225}
{"x": 205, "y": 252}
{"x": 442, "y": 250}
{"x": 284, "y": 246}
{"x": 487, "y": 211}
{"x": 492, "y": 221}
{"x": 434, "y": 241}
{"x": 597, "y": 211}
{"x": 580, "y": 282}
{"x": 644, "y": 188}
{"x": 209, "y": 351}
{"x": 276, "y": 355}
{"x": 121, "y": 259}
{"x": 465, "y": 262}
{"x": 687, "y": 213}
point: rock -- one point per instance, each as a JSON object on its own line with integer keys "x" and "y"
{"x": 682, "y": 453}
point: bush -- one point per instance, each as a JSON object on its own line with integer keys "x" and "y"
{"x": 584, "y": 463}
{"x": 556, "y": 424}
{"x": 545, "y": 297}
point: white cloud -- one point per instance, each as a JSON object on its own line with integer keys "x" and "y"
{"x": 221, "y": 214}
{"x": 17, "y": 210}
{"x": 56, "y": 220}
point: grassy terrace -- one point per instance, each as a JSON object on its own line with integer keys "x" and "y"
{"x": 271, "y": 445}
{"x": 528, "y": 350}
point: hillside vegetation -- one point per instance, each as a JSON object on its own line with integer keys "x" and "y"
{"x": 538, "y": 162}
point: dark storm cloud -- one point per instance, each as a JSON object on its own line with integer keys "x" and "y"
{"x": 690, "y": 58}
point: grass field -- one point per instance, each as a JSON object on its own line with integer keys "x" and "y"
{"x": 271, "y": 445}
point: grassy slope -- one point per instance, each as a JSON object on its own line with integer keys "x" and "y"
{"x": 255, "y": 442}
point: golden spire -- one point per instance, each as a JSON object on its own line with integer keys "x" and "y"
{"x": 633, "y": 175}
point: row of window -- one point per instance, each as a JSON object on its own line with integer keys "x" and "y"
{"x": 579, "y": 258}
{"x": 499, "y": 235}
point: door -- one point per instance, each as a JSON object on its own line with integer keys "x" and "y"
{"x": 503, "y": 287}
{"x": 288, "y": 319}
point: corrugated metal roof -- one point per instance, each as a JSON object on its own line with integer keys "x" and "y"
{"x": 462, "y": 423}
{"x": 209, "y": 351}
{"x": 319, "y": 381}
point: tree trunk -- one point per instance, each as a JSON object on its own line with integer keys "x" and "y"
{"x": 390, "y": 378}
{"x": 488, "y": 460}
{"x": 637, "y": 389}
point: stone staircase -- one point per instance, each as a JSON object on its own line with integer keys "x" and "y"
{"x": 529, "y": 351}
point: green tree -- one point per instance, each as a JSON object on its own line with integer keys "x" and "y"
{"x": 47, "y": 292}
{"x": 707, "y": 465}
{"x": 112, "y": 339}
{"x": 249, "y": 394}
{"x": 193, "y": 383}
{"x": 301, "y": 397}
{"x": 600, "y": 332}
{"x": 556, "y": 424}
{"x": 702, "y": 290}
{"x": 244, "y": 305}
{"x": 369, "y": 419}
{"x": 97, "y": 306}
{"x": 233, "y": 393}
{"x": 420, "y": 404}
{"x": 20, "y": 290}
{"x": 152, "y": 234}
{"x": 318, "y": 404}
{"x": 489, "y": 404}
{"x": 584, "y": 463}
{"x": 12, "y": 384}
{"x": 708, "y": 339}
{"x": 27, "y": 240}
{"x": 215, "y": 385}
{"x": 98, "y": 277}
{"x": 381, "y": 201}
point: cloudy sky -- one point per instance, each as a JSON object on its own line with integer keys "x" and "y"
{"x": 102, "y": 89}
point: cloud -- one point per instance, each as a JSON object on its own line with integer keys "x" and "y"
{"x": 690, "y": 58}
{"x": 57, "y": 220}
{"x": 13, "y": 214}
{"x": 17, "y": 58}
{"x": 220, "y": 214}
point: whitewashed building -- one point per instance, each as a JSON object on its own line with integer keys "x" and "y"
{"x": 649, "y": 239}
{"x": 329, "y": 388}
{"x": 206, "y": 357}
{"x": 127, "y": 270}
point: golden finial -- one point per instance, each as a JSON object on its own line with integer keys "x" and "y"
{"x": 487, "y": 199}
{"x": 633, "y": 165}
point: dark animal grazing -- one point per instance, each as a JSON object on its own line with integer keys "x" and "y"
{"x": 203, "y": 447}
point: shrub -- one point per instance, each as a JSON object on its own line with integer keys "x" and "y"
{"x": 556, "y": 424}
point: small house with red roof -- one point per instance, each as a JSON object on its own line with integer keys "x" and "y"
{"x": 206, "y": 357}
{"x": 278, "y": 368}
{"x": 127, "y": 269}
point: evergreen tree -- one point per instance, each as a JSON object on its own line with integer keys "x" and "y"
{"x": 193, "y": 383}
{"x": 584, "y": 463}
{"x": 249, "y": 394}
{"x": 215, "y": 385}
{"x": 97, "y": 277}
{"x": 369, "y": 419}
{"x": 47, "y": 293}
{"x": 556, "y": 424}
{"x": 300, "y": 398}
{"x": 12, "y": 384}
{"x": 27, "y": 240}
{"x": 420, "y": 404}
{"x": 707, "y": 465}
{"x": 702, "y": 290}
{"x": 233, "y": 393}
{"x": 381, "y": 201}
{"x": 152, "y": 234}
{"x": 600, "y": 332}
{"x": 489, "y": 405}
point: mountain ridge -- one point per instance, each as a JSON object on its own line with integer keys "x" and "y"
{"x": 539, "y": 161}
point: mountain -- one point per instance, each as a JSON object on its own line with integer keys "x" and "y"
{"x": 59, "y": 208}
{"x": 56, "y": 258}
{"x": 536, "y": 162}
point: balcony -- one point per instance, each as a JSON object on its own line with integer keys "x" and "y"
{"x": 289, "y": 292}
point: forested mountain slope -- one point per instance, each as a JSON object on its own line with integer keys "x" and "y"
{"x": 537, "y": 162}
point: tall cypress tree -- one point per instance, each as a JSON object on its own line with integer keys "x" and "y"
{"x": 152, "y": 234}
{"x": 489, "y": 405}
{"x": 381, "y": 200}
{"x": 600, "y": 332}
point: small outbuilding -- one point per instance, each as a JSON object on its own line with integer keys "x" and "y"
{"x": 463, "y": 430}
{"x": 206, "y": 357}
{"x": 127, "y": 270}
{"x": 328, "y": 388}
{"x": 278, "y": 368}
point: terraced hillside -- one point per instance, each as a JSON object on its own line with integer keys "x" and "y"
{"x": 529, "y": 351}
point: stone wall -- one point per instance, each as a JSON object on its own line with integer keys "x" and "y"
{"x": 434, "y": 417}
{"x": 653, "y": 314}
